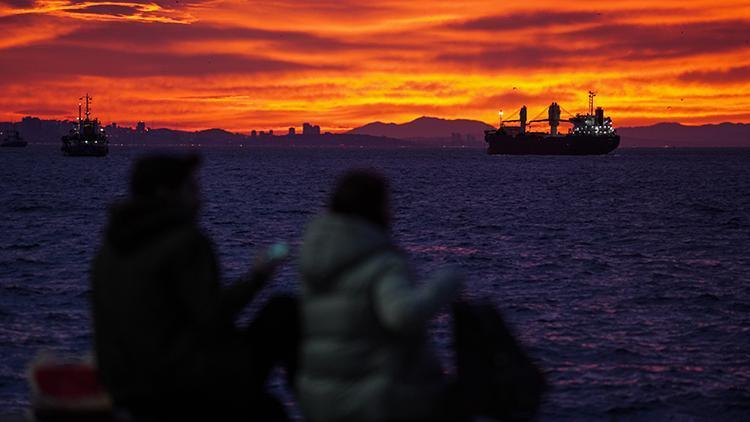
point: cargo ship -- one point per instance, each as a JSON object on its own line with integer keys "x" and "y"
{"x": 87, "y": 138}
{"x": 10, "y": 138}
{"x": 591, "y": 134}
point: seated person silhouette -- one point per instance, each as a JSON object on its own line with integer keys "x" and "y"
{"x": 364, "y": 352}
{"x": 164, "y": 326}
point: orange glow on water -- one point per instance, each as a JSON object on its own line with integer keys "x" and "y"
{"x": 270, "y": 65}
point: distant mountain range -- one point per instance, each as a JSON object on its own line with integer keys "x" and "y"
{"x": 678, "y": 135}
{"x": 426, "y": 128}
{"x": 658, "y": 135}
{"x": 423, "y": 131}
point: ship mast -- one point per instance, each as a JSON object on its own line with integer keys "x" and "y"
{"x": 87, "y": 106}
{"x": 592, "y": 94}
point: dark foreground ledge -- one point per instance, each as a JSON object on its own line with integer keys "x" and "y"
{"x": 29, "y": 417}
{"x": 123, "y": 417}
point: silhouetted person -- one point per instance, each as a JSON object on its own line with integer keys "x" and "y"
{"x": 365, "y": 353}
{"x": 165, "y": 334}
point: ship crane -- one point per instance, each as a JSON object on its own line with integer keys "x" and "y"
{"x": 521, "y": 119}
{"x": 553, "y": 117}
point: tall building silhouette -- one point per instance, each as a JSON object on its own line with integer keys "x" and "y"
{"x": 308, "y": 129}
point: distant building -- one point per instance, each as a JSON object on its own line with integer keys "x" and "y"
{"x": 308, "y": 129}
{"x": 253, "y": 133}
{"x": 140, "y": 127}
{"x": 292, "y": 131}
{"x": 32, "y": 122}
{"x": 270, "y": 132}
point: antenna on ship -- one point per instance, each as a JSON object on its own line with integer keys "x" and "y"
{"x": 592, "y": 94}
{"x": 87, "y": 105}
{"x": 79, "y": 113}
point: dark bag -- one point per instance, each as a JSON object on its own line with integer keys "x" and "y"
{"x": 497, "y": 378}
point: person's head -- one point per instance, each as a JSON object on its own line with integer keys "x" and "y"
{"x": 362, "y": 193}
{"x": 166, "y": 177}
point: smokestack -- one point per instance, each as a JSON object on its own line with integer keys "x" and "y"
{"x": 599, "y": 116}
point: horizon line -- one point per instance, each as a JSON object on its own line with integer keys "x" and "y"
{"x": 340, "y": 130}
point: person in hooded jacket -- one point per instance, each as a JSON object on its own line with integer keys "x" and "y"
{"x": 164, "y": 327}
{"x": 364, "y": 352}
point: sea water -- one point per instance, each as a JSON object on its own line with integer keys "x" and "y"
{"x": 627, "y": 276}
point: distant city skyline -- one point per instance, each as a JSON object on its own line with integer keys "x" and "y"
{"x": 244, "y": 65}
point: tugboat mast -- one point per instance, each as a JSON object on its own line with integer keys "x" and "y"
{"x": 87, "y": 105}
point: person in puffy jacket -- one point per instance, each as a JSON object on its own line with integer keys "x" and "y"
{"x": 164, "y": 325}
{"x": 365, "y": 352}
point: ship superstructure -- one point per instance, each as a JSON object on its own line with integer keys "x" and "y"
{"x": 591, "y": 133}
{"x": 87, "y": 138}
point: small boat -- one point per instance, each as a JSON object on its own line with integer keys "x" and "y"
{"x": 87, "y": 138}
{"x": 10, "y": 138}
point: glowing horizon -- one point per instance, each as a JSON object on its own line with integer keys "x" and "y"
{"x": 242, "y": 65}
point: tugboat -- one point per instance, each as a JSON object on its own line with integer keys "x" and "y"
{"x": 87, "y": 139}
{"x": 592, "y": 133}
{"x": 11, "y": 138}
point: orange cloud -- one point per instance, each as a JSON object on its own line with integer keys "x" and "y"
{"x": 342, "y": 63}
{"x": 101, "y": 11}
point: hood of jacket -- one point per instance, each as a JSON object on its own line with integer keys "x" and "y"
{"x": 333, "y": 242}
{"x": 135, "y": 223}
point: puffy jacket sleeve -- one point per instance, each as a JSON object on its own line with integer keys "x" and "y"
{"x": 404, "y": 306}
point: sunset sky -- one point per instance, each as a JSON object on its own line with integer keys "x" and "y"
{"x": 241, "y": 65}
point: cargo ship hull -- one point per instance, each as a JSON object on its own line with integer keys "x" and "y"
{"x": 531, "y": 144}
{"x": 12, "y": 139}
